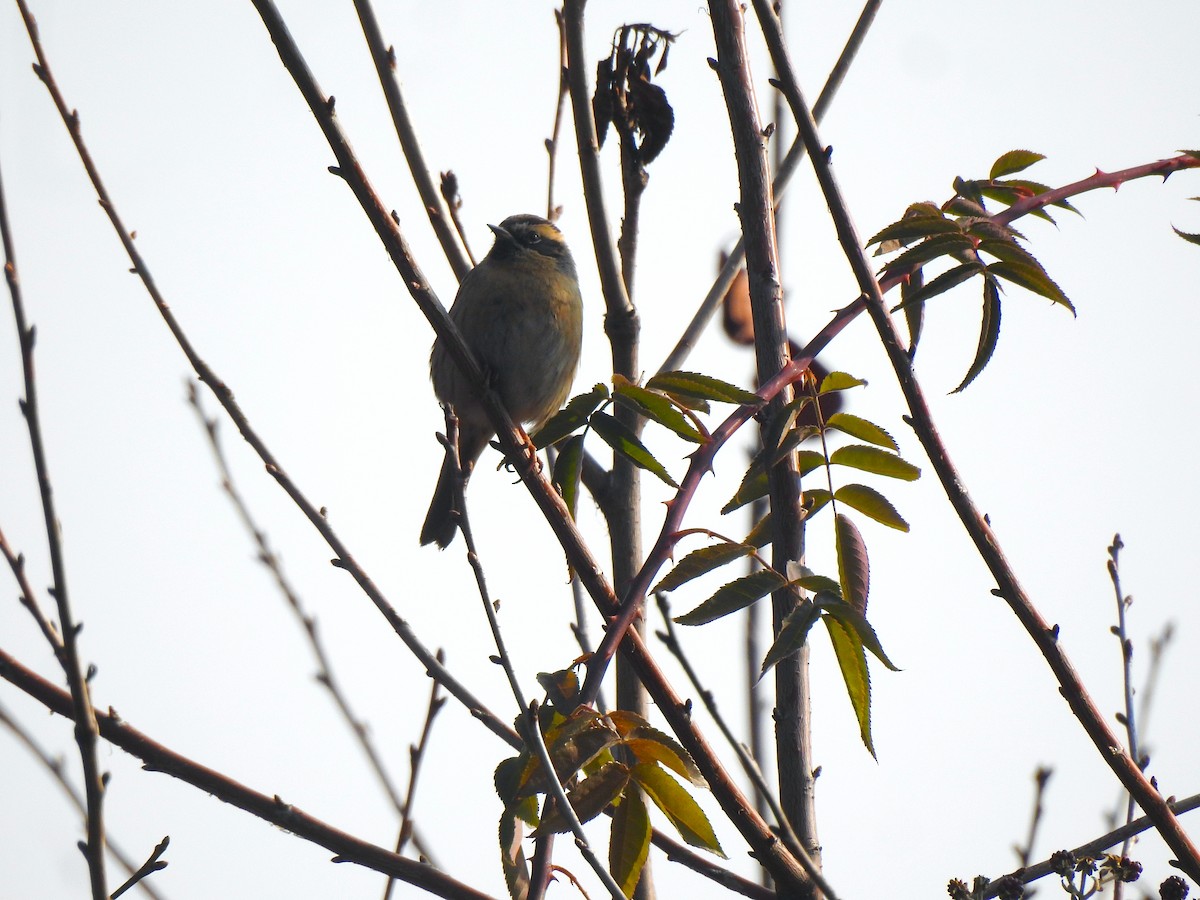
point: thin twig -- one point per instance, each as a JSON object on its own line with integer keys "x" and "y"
{"x": 159, "y": 758}
{"x": 16, "y": 562}
{"x": 1120, "y": 630}
{"x": 416, "y": 755}
{"x": 154, "y": 863}
{"x": 1096, "y": 847}
{"x": 384, "y": 58}
{"x": 1045, "y": 637}
{"x": 54, "y": 766}
{"x": 343, "y": 559}
{"x": 1025, "y": 852}
{"x": 94, "y": 780}
{"x": 268, "y": 558}
{"x": 740, "y": 811}
{"x": 552, "y": 211}
{"x": 783, "y": 176}
{"x": 750, "y": 766}
{"x": 538, "y": 745}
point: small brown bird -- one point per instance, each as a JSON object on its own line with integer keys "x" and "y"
{"x": 521, "y": 313}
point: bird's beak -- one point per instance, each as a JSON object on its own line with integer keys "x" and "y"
{"x": 502, "y": 234}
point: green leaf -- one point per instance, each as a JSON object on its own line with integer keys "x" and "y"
{"x": 791, "y": 441}
{"x": 854, "y": 571}
{"x": 914, "y": 312}
{"x": 637, "y": 734}
{"x": 1014, "y": 161}
{"x": 989, "y": 331}
{"x": 929, "y": 249}
{"x": 949, "y": 279}
{"x": 568, "y": 467}
{"x": 1190, "y": 238}
{"x": 738, "y": 594}
{"x": 806, "y": 578}
{"x": 570, "y": 417}
{"x": 815, "y": 499}
{"x": 702, "y": 387}
{"x": 913, "y": 227}
{"x": 760, "y": 535}
{"x": 678, "y": 806}
{"x": 700, "y": 562}
{"x": 862, "y": 429}
{"x": 853, "y": 663}
{"x": 754, "y": 485}
{"x": 625, "y": 442}
{"x": 658, "y": 408}
{"x": 1009, "y": 251}
{"x": 810, "y": 460}
{"x": 852, "y": 618}
{"x": 870, "y": 502}
{"x": 1031, "y": 278}
{"x": 1036, "y": 187}
{"x": 876, "y": 460}
{"x": 838, "y": 381}
{"x": 792, "y": 634}
{"x": 629, "y": 842}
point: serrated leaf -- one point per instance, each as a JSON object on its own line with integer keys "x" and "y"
{"x": 651, "y": 749}
{"x": 625, "y": 442}
{"x": 964, "y": 206}
{"x": 1190, "y": 238}
{"x": 854, "y": 570}
{"x": 754, "y": 485}
{"x": 815, "y": 499}
{"x": 864, "y": 430}
{"x": 817, "y": 584}
{"x": 1009, "y": 251}
{"x": 913, "y": 227}
{"x": 852, "y": 618}
{"x": 945, "y": 281}
{"x": 794, "y": 438}
{"x": 792, "y": 634}
{"x": 738, "y": 594}
{"x": 1036, "y": 187}
{"x": 1032, "y": 278}
{"x": 702, "y": 387}
{"x": 870, "y": 502}
{"x": 989, "y": 332}
{"x": 629, "y": 842}
{"x": 588, "y": 798}
{"x": 875, "y": 460}
{"x": 853, "y": 663}
{"x": 570, "y": 417}
{"x": 1194, "y": 154}
{"x": 658, "y": 408}
{"x": 700, "y": 562}
{"x": 838, "y": 381}
{"x": 568, "y": 467}
{"x": 780, "y": 423}
{"x": 914, "y": 309}
{"x": 1014, "y": 161}
{"x": 760, "y": 535}
{"x": 680, "y": 808}
{"x": 928, "y": 250}
{"x": 810, "y": 460}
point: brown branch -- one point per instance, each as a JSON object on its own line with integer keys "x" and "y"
{"x": 54, "y": 767}
{"x": 159, "y": 758}
{"x": 976, "y": 524}
{"x": 793, "y": 708}
{"x": 343, "y": 559}
{"x": 16, "y": 562}
{"x": 552, "y": 211}
{"x": 94, "y": 780}
{"x": 267, "y": 557}
{"x": 783, "y": 176}
{"x": 384, "y": 58}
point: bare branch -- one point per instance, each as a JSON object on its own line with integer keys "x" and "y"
{"x": 94, "y": 780}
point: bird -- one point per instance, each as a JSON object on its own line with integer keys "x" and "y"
{"x": 520, "y": 311}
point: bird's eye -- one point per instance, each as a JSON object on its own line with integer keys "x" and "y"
{"x": 533, "y": 238}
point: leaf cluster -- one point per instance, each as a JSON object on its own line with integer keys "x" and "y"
{"x": 840, "y": 603}
{"x": 626, "y": 96}
{"x": 976, "y": 243}
{"x": 605, "y": 762}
